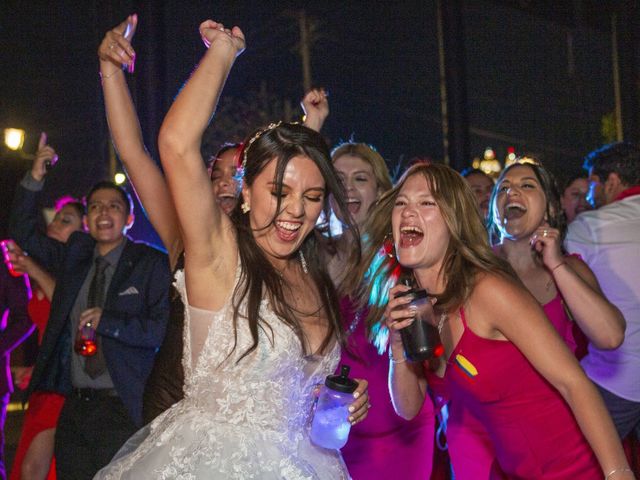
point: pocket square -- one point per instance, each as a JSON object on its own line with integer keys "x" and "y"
{"x": 129, "y": 291}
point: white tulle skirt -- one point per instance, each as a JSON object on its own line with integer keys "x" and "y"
{"x": 184, "y": 443}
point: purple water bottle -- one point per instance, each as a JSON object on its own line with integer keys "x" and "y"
{"x": 331, "y": 426}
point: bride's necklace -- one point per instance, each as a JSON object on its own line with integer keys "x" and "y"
{"x": 303, "y": 264}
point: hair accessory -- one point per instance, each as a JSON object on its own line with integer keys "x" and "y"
{"x": 238, "y": 156}
{"x": 525, "y": 160}
{"x": 389, "y": 246}
{"x": 303, "y": 262}
{"x": 258, "y": 134}
{"x": 245, "y": 207}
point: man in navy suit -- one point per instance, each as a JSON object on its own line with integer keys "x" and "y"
{"x": 104, "y": 392}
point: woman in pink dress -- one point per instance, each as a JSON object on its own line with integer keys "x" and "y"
{"x": 505, "y": 361}
{"x": 386, "y": 445}
{"x": 527, "y": 218}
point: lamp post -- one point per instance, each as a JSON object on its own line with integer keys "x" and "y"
{"x": 13, "y": 143}
{"x": 13, "y": 163}
{"x": 119, "y": 178}
{"x": 13, "y": 138}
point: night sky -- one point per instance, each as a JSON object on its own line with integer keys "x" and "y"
{"x": 532, "y": 82}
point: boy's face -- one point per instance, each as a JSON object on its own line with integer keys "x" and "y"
{"x": 107, "y": 219}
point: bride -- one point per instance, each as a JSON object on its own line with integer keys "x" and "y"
{"x": 262, "y": 323}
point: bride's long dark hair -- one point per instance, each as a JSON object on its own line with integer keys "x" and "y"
{"x": 281, "y": 143}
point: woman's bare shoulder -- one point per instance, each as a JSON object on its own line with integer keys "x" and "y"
{"x": 494, "y": 292}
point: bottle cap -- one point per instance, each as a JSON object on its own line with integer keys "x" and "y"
{"x": 341, "y": 383}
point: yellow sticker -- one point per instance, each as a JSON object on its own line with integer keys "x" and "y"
{"x": 466, "y": 366}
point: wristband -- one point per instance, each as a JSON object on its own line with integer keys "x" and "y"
{"x": 106, "y": 77}
{"x": 393, "y": 360}
{"x": 617, "y": 470}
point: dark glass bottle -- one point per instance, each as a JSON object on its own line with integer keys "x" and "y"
{"x": 420, "y": 339}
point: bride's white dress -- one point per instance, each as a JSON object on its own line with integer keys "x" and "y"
{"x": 238, "y": 420}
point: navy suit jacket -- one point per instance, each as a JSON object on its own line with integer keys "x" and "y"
{"x": 134, "y": 316}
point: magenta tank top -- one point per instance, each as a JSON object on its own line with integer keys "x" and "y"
{"x": 531, "y": 428}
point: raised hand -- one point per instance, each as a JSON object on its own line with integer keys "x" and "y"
{"x": 20, "y": 261}
{"x": 116, "y": 45}
{"x": 213, "y": 32}
{"x": 45, "y": 157}
{"x": 316, "y": 108}
{"x": 13, "y": 257}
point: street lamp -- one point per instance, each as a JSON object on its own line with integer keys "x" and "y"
{"x": 490, "y": 164}
{"x": 13, "y": 138}
{"x": 511, "y": 157}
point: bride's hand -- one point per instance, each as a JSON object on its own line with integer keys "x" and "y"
{"x": 212, "y": 32}
{"x": 359, "y": 409}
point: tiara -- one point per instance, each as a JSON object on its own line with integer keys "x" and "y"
{"x": 257, "y": 135}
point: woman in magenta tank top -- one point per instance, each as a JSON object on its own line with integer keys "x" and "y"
{"x": 470, "y": 448}
{"x": 505, "y": 361}
{"x": 527, "y": 218}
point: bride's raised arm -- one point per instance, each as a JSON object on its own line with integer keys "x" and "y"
{"x": 208, "y": 235}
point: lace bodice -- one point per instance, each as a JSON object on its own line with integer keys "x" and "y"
{"x": 274, "y": 378}
{"x": 239, "y": 419}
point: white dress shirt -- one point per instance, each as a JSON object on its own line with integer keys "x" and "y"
{"x": 608, "y": 239}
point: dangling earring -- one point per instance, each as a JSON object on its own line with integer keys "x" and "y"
{"x": 245, "y": 207}
{"x": 389, "y": 246}
{"x": 303, "y": 262}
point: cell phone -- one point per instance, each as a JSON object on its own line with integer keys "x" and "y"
{"x": 48, "y": 164}
{"x": 7, "y": 246}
